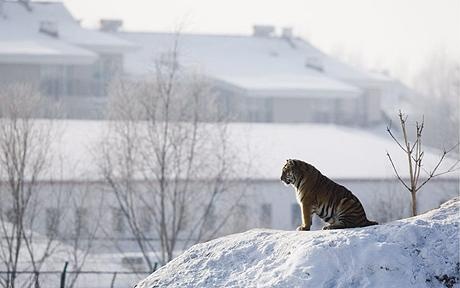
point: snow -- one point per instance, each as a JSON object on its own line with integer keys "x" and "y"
{"x": 337, "y": 151}
{"x": 413, "y": 252}
{"x": 28, "y": 45}
{"x": 60, "y": 252}
{"x": 69, "y": 29}
{"x": 285, "y": 86}
{"x": 39, "y": 50}
{"x": 255, "y": 64}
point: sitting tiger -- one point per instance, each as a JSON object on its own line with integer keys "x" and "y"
{"x": 318, "y": 194}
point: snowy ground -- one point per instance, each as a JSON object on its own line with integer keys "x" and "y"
{"x": 422, "y": 251}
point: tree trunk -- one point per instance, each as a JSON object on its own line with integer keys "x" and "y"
{"x": 414, "y": 203}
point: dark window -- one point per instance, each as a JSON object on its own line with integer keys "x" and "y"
{"x": 52, "y": 222}
{"x": 296, "y": 217}
{"x": 241, "y": 217}
{"x": 11, "y": 215}
{"x": 118, "y": 223}
{"x": 81, "y": 222}
{"x": 210, "y": 221}
{"x": 146, "y": 219}
{"x": 266, "y": 215}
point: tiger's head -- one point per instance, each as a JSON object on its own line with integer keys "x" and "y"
{"x": 289, "y": 172}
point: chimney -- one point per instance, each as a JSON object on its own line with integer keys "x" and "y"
{"x": 110, "y": 25}
{"x": 263, "y": 30}
{"x": 50, "y": 28}
{"x": 287, "y": 33}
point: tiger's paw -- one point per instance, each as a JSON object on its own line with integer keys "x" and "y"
{"x": 334, "y": 226}
{"x": 303, "y": 228}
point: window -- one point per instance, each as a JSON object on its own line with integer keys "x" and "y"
{"x": 268, "y": 117}
{"x": 241, "y": 217}
{"x": 81, "y": 222}
{"x": 52, "y": 222}
{"x": 257, "y": 109}
{"x": 118, "y": 223}
{"x": 296, "y": 217}
{"x": 109, "y": 66}
{"x": 265, "y": 215}
{"x": 210, "y": 220}
{"x": 11, "y": 215}
{"x": 146, "y": 219}
{"x": 132, "y": 262}
{"x": 53, "y": 80}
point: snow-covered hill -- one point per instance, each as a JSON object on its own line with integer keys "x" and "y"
{"x": 422, "y": 251}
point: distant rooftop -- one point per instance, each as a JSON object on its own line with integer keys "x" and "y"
{"x": 45, "y": 32}
{"x": 263, "y": 64}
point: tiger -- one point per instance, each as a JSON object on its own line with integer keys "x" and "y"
{"x": 315, "y": 193}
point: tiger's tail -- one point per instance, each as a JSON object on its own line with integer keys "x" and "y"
{"x": 370, "y": 223}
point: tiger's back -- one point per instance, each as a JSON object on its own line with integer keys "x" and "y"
{"x": 338, "y": 206}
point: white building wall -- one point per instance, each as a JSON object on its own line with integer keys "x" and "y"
{"x": 314, "y": 110}
{"x": 383, "y": 200}
{"x": 266, "y": 204}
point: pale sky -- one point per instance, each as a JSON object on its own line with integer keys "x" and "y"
{"x": 397, "y": 35}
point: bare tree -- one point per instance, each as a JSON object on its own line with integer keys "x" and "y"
{"x": 24, "y": 158}
{"x": 415, "y": 154}
{"x": 164, "y": 162}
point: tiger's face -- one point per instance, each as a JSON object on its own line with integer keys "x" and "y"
{"x": 288, "y": 173}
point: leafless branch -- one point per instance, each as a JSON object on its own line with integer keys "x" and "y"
{"x": 415, "y": 155}
{"x": 24, "y": 156}
{"x": 396, "y": 172}
{"x": 394, "y": 138}
{"x": 162, "y": 155}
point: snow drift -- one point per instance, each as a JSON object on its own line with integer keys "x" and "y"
{"x": 422, "y": 251}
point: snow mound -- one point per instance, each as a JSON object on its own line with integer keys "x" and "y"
{"x": 422, "y": 251}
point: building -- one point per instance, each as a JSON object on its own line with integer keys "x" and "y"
{"x": 351, "y": 157}
{"x": 266, "y": 77}
{"x": 263, "y": 77}
{"x": 42, "y": 44}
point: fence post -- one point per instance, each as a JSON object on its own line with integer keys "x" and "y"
{"x": 113, "y": 280}
{"x": 37, "y": 283}
{"x": 63, "y": 274}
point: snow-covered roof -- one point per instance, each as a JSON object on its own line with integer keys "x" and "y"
{"x": 21, "y": 40}
{"x": 301, "y": 86}
{"x": 69, "y": 29}
{"x": 339, "y": 152}
{"x": 40, "y": 50}
{"x": 261, "y": 66}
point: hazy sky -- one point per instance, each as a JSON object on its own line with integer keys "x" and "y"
{"x": 398, "y": 35}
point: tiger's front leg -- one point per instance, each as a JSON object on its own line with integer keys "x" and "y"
{"x": 305, "y": 209}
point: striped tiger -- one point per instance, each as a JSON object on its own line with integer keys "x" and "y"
{"x": 318, "y": 194}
